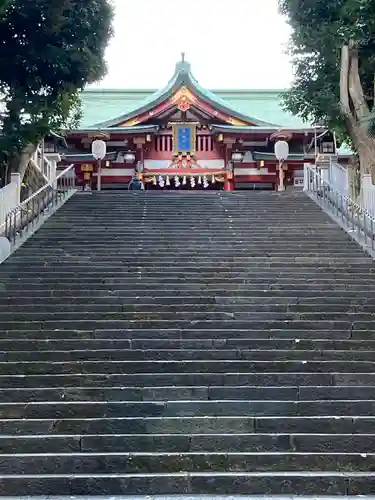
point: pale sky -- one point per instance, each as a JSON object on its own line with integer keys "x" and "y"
{"x": 229, "y": 43}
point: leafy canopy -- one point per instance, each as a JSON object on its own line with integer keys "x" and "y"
{"x": 319, "y": 30}
{"x": 49, "y": 51}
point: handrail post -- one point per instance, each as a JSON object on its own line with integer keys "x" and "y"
{"x": 306, "y": 173}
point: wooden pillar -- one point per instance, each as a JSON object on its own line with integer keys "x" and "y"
{"x": 228, "y": 182}
{"x": 281, "y": 183}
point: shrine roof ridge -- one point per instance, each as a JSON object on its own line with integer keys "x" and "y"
{"x": 269, "y": 128}
{"x": 124, "y": 130}
{"x": 182, "y": 77}
{"x": 150, "y": 91}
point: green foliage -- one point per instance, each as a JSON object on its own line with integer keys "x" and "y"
{"x": 319, "y": 29}
{"x": 49, "y": 51}
{"x": 3, "y": 5}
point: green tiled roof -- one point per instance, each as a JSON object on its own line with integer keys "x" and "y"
{"x": 181, "y": 77}
{"x": 108, "y": 108}
{"x": 101, "y": 105}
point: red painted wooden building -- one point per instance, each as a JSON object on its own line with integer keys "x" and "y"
{"x": 187, "y": 137}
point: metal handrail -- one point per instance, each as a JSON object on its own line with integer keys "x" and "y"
{"x": 28, "y": 212}
{"x": 356, "y": 219}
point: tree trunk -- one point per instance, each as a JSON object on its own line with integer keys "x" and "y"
{"x": 355, "y": 109}
{"x": 22, "y": 160}
{"x": 31, "y": 176}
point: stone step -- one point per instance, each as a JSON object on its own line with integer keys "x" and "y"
{"x": 213, "y": 247}
{"x": 180, "y": 408}
{"x": 101, "y": 332}
{"x": 211, "y": 309}
{"x": 321, "y": 425}
{"x": 199, "y": 232}
{"x": 180, "y": 314}
{"x": 94, "y": 344}
{"x": 78, "y": 379}
{"x": 352, "y": 326}
{"x": 185, "y": 379}
{"x": 272, "y": 260}
{"x": 185, "y": 366}
{"x": 157, "y": 271}
{"x": 205, "y": 247}
{"x": 188, "y": 223}
{"x": 205, "y": 319}
{"x": 194, "y": 245}
{"x": 319, "y": 280}
{"x": 113, "y": 287}
{"x": 187, "y": 443}
{"x": 296, "y": 483}
{"x": 192, "y": 217}
{"x": 203, "y": 262}
{"x": 211, "y": 462}
{"x": 185, "y": 354}
{"x": 136, "y": 277}
{"x": 192, "y": 393}
{"x": 262, "y": 253}
{"x": 214, "y": 250}
{"x": 257, "y": 295}
{"x": 116, "y": 302}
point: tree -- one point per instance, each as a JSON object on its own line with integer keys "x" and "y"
{"x": 3, "y": 5}
{"x": 49, "y": 51}
{"x": 333, "y": 53}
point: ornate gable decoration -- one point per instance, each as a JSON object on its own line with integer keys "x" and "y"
{"x": 183, "y": 99}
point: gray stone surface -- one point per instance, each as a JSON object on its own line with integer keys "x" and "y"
{"x": 5, "y": 249}
{"x": 187, "y": 345}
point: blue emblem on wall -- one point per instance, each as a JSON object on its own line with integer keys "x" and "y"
{"x": 184, "y": 139}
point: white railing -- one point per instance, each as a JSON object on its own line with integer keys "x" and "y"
{"x": 353, "y": 216}
{"x": 367, "y": 196}
{"x": 338, "y": 177}
{"x": 46, "y": 167}
{"x": 9, "y": 199}
{"x": 46, "y": 163}
{"x": 39, "y": 162}
{"x": 46, "y": 199}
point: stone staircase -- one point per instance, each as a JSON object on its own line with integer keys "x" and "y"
{"x": 195, "y": 343}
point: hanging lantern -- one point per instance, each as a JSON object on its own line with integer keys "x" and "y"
{"x": 192, "y": 182}
{"x": 184, "y": 180}
{"x": 129, "y": 157}
{"x": 281, "y": 150}
{"x": 177, "y": 181}
{"x": 98, "y": 149}
{"x": 205, "y": 182}
{"x": 237, "y": 157}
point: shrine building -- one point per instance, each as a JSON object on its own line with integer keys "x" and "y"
{"x": 187, "y": 137}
